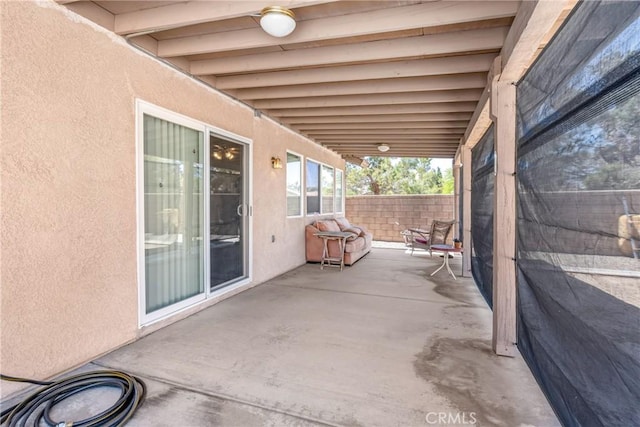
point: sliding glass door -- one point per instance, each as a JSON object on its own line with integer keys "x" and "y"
{"x": 194, "y": 211}
{"x": 173, "y": 214}
{"x": 229, "y": 211}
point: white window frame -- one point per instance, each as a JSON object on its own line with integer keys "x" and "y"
{"x": 335, "y": 169}
{"x": 306, "y": 205}
{"x": 335, "y": 187}
{"x": 303, "y": 188}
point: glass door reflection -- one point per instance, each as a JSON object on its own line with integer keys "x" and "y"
{"x": 228, "y": 216}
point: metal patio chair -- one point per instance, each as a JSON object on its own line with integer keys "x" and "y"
{"x": 423, "y": 239}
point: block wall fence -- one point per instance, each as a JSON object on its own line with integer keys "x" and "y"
{"x": 387, "y": 216}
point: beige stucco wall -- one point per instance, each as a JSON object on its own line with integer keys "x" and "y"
{"x": 68, "y": 196}
{"x": 269, "y": 199}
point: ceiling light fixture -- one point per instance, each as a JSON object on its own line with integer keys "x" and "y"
{"x": 383, "y": 148}
{"x": 277, "y": 21}
{"x": 219, "y": 152}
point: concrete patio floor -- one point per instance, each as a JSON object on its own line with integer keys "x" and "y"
{"x": 378, "y": 344}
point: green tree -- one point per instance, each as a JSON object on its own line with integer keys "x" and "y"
{"x": 384, "y": 175}
{"x": 375, "y": 177}
{"x": 448, "y": 184}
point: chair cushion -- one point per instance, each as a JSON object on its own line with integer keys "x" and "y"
{"x": 420, "y": 240}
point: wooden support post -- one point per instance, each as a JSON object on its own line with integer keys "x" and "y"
{"x": 457, "y": 186}
{"x": 503, "y": 111}
{"x": 466, "y": 210}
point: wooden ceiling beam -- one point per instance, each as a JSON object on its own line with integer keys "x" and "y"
{"x": 480, "y": 121}
{"x": 532, "y": 25}
{"x": 385, "y": 133}
{"x": 388, "y": 138}
{"x": 397, "y": 69}
{"x": 353, "y": 160}
{"x": 407, "y": 84}
{"x": 413, "y": 153}
{"x": 374, "y": 99}
{"x": 396, "y": 109}
{"x": 394, "y": 148}
{"x": 382, "y": 50}
{"x": 93, "y": 12}
{"x": 452, "y": 119}
{"x": 194, "y": 12}
{"x": 444, "y": 145}
{"x": 461, "y": 124}
{"x": 395, "y": 145}
{"x": 344, "y": 26}
{"x": 409, "y": 155}
{"x": 372, "y": 150}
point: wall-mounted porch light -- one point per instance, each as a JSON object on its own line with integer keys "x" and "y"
{"x": 276, "y": 163}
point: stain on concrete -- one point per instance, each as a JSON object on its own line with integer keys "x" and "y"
{"x": 279, "y": 334}
{"x": 161, "y": 398}
{"x": 472, "y": 318}
{"x": 464, "y": 372}
{"x": 208, "y": 412}
{"x": 457, "y": 292}
{"x": 351, "y": 422}
{"x": 171, "y": 405}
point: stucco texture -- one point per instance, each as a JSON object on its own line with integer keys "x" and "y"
{"x": 269, "y": 199}
{"x": 68, "y": 196}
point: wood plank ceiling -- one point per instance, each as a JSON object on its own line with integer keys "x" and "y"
{"x": 353, "y": 74}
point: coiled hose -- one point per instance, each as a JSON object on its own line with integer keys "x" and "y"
{"x": 37, "y": 406}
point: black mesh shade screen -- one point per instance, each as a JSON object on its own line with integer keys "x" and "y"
{"x": 482, "y": 180}
{"x": 578, "y": 178}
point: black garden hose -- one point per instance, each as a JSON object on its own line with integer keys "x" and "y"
{"x": 37, "y": 406}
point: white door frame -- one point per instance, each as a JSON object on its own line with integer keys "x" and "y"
{"x": 248, "y": 191}
{"x": 142, "y": 107}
